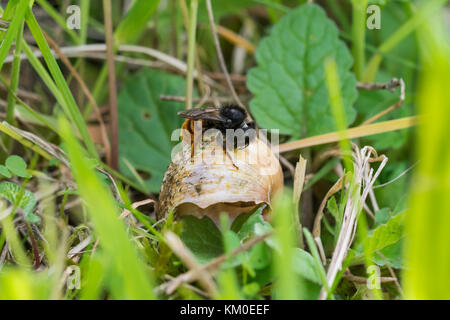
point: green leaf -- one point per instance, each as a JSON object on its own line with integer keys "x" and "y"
{"x": 383, "y": 236}
{"x": 333, "y": 207}
{"x": 146, "y": 124}
{"x": 17, "y": 165}
{"x": 288, "y": 84}
{"x": 394, "y": 195}
{"x": 304, "y": 265}
{"x": 393, "y": 254}
{"x": 231, "y": 242}
{"x": 131, "y": 27}
{"x": 263, "y": 228}
{"x": 387, "y": 234}
{"x": 202, "y": 237}
{"x": 382, "y": 216}
{"x": 244, "y": 225}
{"x": 259, "y": 256}
{"x": 5, "y": 172}
{"x": 13, "y": 192}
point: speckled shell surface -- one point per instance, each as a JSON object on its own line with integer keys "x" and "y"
{"x": 210, "y": 181}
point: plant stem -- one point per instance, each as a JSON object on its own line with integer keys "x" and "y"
{"x": 191, "y": 52}
{"x": 15, "y": 73}
{"x": 113, "y": 121}
{"x": 358, "y": 35}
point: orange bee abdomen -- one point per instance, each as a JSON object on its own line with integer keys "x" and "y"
{"x": 187, "y": 133}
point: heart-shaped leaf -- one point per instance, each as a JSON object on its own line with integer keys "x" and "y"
{"x": 202, "y": 237}
{"x": 17, "y": 165}
{"x": 383, "y": 236}
{"x": 20, "y": 197}
{"x": 288, "y": 84}
{"x": 5, "y": 172}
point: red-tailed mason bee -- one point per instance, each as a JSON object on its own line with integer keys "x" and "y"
{"x": 229, "y": 120}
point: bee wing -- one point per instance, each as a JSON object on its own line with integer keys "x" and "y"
{"x": 211, "y": 114}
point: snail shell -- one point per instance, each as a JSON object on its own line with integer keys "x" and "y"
{"x": 210, "y": 180}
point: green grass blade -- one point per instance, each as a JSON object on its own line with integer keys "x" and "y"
{"x": 135, "y": 21}
{"x": 74, "y": 112}
{"x": 358, "y": 36}
{"x": 288, "y": 285}
{"x": 334, "y": 92}
{"x": 15, "y": 71}
{"x": 45, "y": 77}
{"x": 134, "y": 282}
{"x": 11, "y": 34}
{"x": 61, "y": 21}
{"x": 317, "y": 261}
{"x": 427, "y": 249}
{"x": 85, "y": 6}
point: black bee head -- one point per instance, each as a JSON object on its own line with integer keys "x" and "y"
{"x": 235, "y": 115}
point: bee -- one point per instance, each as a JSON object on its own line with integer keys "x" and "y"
{"x": 230, "y": 120}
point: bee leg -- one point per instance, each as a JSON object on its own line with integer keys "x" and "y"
{"x": 225, "y": 150}
{"x": 228, "y": 155}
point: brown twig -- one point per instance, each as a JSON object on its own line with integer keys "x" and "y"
{"x": 359, "y": 279}
{"x": 113, "y": 121}
{"x": 37, "y": 259}
{"x": 391, "y": 108}
{"x": 193, "y": 275}
{"x": 180, "y": 249}
{"x": 285, "y": 162}
{"x": 391, "y": 85}
{"x": 233, "y": 77}
{"x": 392, "y": 273}
{"x": 188, "y": 286}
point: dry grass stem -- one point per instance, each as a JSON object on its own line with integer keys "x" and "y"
{"x": 361, "y": 182}
{"x": 236, "y": 39}
{"x": 299, "y": 182}
{"x": 357, "y": 132}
